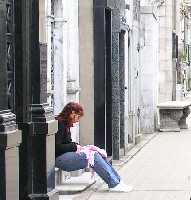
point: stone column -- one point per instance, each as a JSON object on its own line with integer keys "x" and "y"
{"x": 86, "y": 70}
{"x": 60, "y": 68}
{"x": 72, "y": 53}
{"x": 115, "y": 84}
{"x": 35, "y": 117}
{"x": 10, "y": 136}
{"x": 122, "y": 87}
{"x": 165, "y": 53}
{"x": 149, "y": 71}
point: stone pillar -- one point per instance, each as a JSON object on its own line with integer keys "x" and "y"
{"x": 60, "y": 67}
{"x": 70, "y": 10}
{"x": 86, "y": 71}
{"x": 127, "y": 93}
{"x": 10, "y": 136}
{"x": 115, "y": 84}
{"x": 122, "y": 86}
{"x": 35, "y": 117}
{"x": 165, "y": 53}
{"x": 149, "y": 71}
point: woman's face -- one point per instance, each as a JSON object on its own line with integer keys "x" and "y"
{"x": 74, "y": 117}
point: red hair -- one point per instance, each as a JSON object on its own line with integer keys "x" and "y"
{"x": 67, "y": 110}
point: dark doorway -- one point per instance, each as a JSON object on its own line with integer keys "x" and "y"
{"x": 102, "y": 76}
{"x": 108, "y": 94}
{"x": 99, "y": 75}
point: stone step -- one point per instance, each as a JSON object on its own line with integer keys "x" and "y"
{"x": 68, "y": 183}
{"x": 75, "y": 185}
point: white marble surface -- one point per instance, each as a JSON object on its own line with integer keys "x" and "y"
{"x": 174, "y": 104}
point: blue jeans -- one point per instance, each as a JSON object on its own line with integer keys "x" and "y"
{"x": 72, "y": 161}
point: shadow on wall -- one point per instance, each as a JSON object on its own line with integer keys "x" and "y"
{"x": 188, "y": 121}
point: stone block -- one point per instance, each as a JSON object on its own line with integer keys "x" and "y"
{"x": 76, "y": 184}
{"x": 173, "y": 115}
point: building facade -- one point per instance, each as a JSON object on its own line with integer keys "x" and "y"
{"x": 93, "y": 58}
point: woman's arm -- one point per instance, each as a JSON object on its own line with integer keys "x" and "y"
{"x": 64, "y": 142}
{"x": 63, "y": 148}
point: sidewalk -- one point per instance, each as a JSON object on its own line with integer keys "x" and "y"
{"x": 161, "y": 170}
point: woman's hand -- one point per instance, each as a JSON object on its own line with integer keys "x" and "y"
{"x": 79, "y": 148}
{"x": 101, "y": 151}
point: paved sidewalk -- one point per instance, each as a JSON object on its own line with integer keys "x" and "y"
{"x": 161, "y": 170}
{"x": 79, "y": 184}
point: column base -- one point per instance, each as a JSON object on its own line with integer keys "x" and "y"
{"x": 138, "y": 138}
{"x": 169, "y": 129}
{"x": 53, "y": 195}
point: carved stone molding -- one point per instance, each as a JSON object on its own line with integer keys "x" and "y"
{"x": 10, "y": 139}
{"x": 123, "y": 23}
{"x": 10, "y": 136}
{"x": 157, "y": 3}
{"x": 72, "y": 87}
{"x": 7, "y": 121}
{"x": 41, "y": 112}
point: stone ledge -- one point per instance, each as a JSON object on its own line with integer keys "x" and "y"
{"x": 138, "y": 138}
{"x": 174, "y": 104}
{"x": 76, "y": 184}
{"x": 169, "y": 130}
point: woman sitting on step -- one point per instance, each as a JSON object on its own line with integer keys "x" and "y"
{"x": 70, "y": 156}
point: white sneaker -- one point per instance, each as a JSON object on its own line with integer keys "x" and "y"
{"x": 121, "y": 187}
